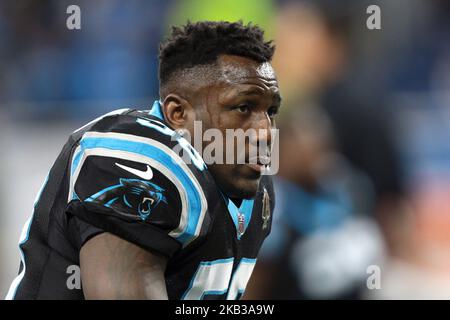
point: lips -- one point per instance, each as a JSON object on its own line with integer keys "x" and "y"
{"x": 256, "y": 167}
{"x": 258, "y": 163}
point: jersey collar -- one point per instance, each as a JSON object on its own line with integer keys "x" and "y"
{"x": 241, "y": 216}
{"x": 156, "y": 110}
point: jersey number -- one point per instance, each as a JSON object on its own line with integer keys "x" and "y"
{"x": 217, "y": 278}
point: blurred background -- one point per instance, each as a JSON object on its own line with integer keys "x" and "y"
{"x": 364, "y": 181}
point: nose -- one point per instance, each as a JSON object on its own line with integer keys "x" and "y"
{"x": 263, "y": 128}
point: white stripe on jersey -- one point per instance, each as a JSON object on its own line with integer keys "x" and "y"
{"x": 112, "y": 113}
{"x": 23, "y": 238}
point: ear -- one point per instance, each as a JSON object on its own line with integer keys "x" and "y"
{"x": 178, "y": 112}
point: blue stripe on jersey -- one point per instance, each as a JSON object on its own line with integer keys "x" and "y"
{"x": 194, "y": 200}
{"x": 248, "y": 260}
{"x": 193, "y": 154}
{"x": 210, "y": 263}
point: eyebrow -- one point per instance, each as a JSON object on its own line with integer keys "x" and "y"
{"x": 256, "y": 91}
{"x": 250, "y": 91}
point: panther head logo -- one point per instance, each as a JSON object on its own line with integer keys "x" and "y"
{"x": 133, "y": 195}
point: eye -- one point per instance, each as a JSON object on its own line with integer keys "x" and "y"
{"x": 243, "y": 108}
{"x": 273, "y": 111}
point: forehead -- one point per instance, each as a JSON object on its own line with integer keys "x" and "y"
{"x": 236, "y": 69}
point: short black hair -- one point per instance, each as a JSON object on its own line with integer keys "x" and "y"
{"x": 202, "y": 42}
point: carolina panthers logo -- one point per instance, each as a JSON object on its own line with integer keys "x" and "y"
{"x": 131, "y": 194}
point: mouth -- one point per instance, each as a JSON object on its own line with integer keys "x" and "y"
{"x": 256, "y": 167}
{"x": 258, "y": 164}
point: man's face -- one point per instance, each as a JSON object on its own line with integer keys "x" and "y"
{"x": 246, "y": 96}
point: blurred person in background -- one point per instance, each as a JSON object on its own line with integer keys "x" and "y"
{"x": 324, "y": 238}
{"x": 352, "y": 77}
{"x": 345, "y": 163}
{"x": 418, "y": 81}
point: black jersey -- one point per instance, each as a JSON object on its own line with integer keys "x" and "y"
{"x": 123, "y": 174}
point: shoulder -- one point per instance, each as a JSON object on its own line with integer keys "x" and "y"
{"x": 139, "y": 132}
{"x": 130, "y": 165}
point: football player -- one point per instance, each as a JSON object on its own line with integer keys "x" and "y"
{"x": 139, "y": 220}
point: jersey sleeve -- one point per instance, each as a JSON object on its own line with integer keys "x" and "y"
{"x": 138, "y": 189}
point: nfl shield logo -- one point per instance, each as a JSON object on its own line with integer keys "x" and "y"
{"x": 241, "y": 223}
